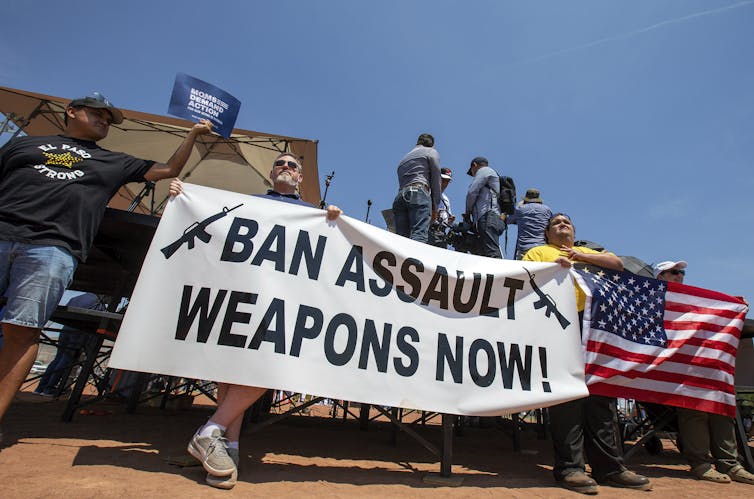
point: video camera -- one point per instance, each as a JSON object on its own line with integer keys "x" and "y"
{"x": 462, "y": 237}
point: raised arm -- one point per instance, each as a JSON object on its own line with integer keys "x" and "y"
{"x": 178, "y": 160}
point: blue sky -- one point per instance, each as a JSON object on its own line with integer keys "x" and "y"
{"x": 634, "y": 117}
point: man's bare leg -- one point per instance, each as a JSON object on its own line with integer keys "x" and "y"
{"x": 205, "y": 446}
{"x": 237, "y": 399}
{"x": 233, "y": 430}
{"x": 20, "y": 346}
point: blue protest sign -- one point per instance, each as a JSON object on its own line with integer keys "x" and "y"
{"x": 194, "y": 99}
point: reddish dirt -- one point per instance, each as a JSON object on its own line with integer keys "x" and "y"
{"x": 127, "y": 455}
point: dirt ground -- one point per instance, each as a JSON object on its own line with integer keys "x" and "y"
{"x": 114, "y": 454}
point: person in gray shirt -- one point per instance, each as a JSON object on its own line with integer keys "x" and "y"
{"x": 482, "y": 209}
{"x": 419, "y": 190}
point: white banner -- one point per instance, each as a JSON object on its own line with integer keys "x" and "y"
{"x": 253, "y": 291}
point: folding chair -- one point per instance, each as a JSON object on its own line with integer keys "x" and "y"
{"x": 651, "y": 421}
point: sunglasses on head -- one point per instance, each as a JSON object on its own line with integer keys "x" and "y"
{"x": 99, "y": 98}
{"x": 289, "y": 164}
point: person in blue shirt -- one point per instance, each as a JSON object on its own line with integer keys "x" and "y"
{"x": 70, "y": 343}
{"x": 531, "y": 216}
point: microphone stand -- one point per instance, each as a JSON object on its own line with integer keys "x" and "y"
{"x": 145, "y": 191}
{"x": 369, "y": 206}
{"x": 328, "y": 179}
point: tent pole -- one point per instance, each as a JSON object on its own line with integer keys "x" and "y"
{"x": 27, "y": 120}
{"x": 148, "y": 187}
{"x": 328, "y": 179}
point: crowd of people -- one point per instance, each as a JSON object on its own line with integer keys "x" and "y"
{"x": 583, "y": 430}
{"x": 53, "y": 193}
{"x": 423, "y": 212}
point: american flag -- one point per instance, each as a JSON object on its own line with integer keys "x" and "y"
{"x": 661, "y": 342}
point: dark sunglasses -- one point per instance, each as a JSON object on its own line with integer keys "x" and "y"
{"x": 676, "y": 272}
{"x": 289, "y": 164}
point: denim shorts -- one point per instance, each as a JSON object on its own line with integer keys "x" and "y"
{"x": 33, "y": 277}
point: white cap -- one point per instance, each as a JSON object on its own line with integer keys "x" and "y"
{"x": 663, "y": 266}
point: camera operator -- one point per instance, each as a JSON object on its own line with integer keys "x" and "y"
{"x": 462, "y": 237}
{"x": 482, "y": 208}
{"x": 445, "y": 217}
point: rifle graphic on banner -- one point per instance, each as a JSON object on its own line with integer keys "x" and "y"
{"x": 546, "y": 301}
{"x": 196, "y": 230}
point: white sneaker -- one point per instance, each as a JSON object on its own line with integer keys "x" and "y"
{"x": 229, "y": 481}
{"x": 212, "y": 452}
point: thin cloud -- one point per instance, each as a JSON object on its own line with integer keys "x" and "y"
{"x": 633, "y": 33}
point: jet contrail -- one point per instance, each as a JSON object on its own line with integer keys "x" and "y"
{"x": 632, "y": 33}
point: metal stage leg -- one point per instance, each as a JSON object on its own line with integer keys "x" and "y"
{"x": 446, "y": 459}
{"x": 543, "y": 423}
{"x": 458, "y": 425}
{"x": 136, "y": 390}
{"x": 516, "y": 420}
{"x": 445, "y": 478}
{"x": 393, "y": 415}
{"x": 661, "y": 422}
{"x": 364, "y": 416}
{"x": 92, "y": 350}
{"x": 166, "y": 394}
{"x": 743, "y": 445}
{"x": 66, "y": 375}
{"x": 395, "y": 412}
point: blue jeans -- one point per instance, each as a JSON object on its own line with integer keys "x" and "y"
{"x": 412, "y": 208}
{"x": 489, "y": 228}
{"x": 33, "y": 277}
{"x": 70, "y": 343}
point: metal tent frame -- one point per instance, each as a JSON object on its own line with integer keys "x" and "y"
{"x": 240, "y": 163}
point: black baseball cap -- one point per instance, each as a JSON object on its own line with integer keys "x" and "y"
{"x": 480, "y": 160}
{"x": 97, "y": 100}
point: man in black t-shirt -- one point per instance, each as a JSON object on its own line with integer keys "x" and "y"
{"x": 53, "y": 194}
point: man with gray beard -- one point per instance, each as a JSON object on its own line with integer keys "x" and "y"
{"x": 216, "y": 443}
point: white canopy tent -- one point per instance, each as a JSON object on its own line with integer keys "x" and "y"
{"x": 240, "y": 163}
